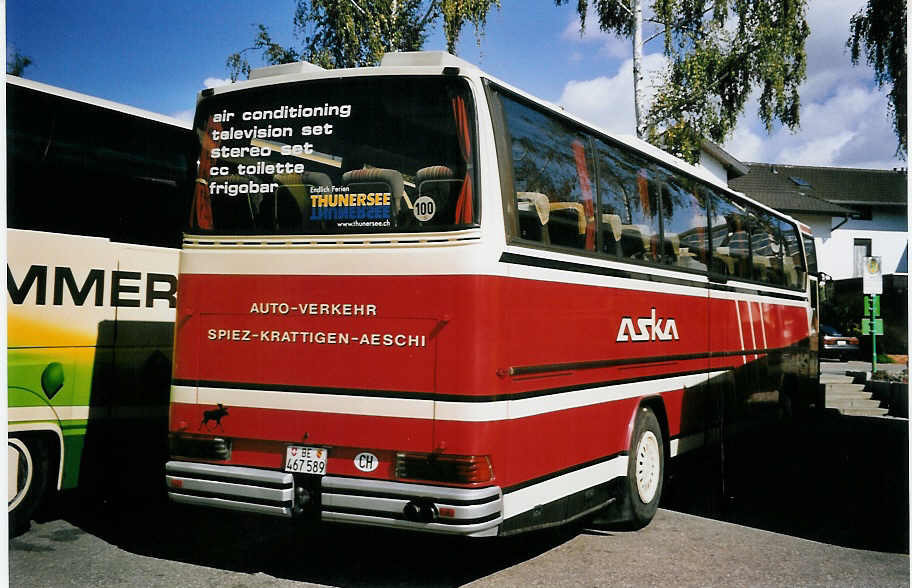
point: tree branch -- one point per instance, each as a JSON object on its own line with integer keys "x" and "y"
{"x": 653, "y": 21}
{"x": 427, "y": 15}
{"x": 355, "y": 4}
{"x": 624, "y": 6}
{"x": 654, "y": 35}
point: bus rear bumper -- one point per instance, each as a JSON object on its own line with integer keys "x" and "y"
{"x": 475, "y": 512}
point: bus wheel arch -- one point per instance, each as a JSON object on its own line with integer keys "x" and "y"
{"x": 34, "y": 457}
{"x": 657, "y": 406}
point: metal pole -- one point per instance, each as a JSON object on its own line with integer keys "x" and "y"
{"x": 874, "y": 333}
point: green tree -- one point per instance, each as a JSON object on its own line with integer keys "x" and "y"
{"x": 880, "y": 27}
{"x": 718, "y": 52}
{"x": 353, "y": 33}
{"x": 16, "y": 63}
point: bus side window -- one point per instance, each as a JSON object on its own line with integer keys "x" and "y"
{"x": 628, "y": 204}
{"x": 792, "y": 263}
{"x": 551, "y": 175}
{"x": 810, "y": 250}
{"x": 684, "y": 220}
{"x": 766, "y": 248}
{"x": 730, "y": 238}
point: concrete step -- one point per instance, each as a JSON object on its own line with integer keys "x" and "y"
{"x": 841, "y": 403}
{"x": 869, "y": 412}
{"x": 846, "y": 389}
{"x": 848, "y": 394}
{"x": 835, "y": 379}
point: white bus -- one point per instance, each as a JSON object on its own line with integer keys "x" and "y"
{"x": 95, "y": 209}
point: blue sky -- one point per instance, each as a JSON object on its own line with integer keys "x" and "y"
{"x": 158, "y": 55}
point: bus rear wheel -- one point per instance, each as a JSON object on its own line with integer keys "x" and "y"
{"x": 645, "y": 468}
{"x": 26, "y": 480}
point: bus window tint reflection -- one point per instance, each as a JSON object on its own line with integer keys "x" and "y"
{"x": 684, "y": 236}
{"x": 628, "y": 201}
{"x": 552, "y": 173}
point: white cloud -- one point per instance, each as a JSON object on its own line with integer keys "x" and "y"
{"x": 571, "y": 32}
{"x": 829, "y": 22}
{"x": 184, "y": 115}
{"x": 213, "y": 82}
{"x": 848, "y": 129}
{"x": 615, "y": 48}
{"x": 610, "y": 45}
{"x": 746, "y": 145}
{"x": 820, "y": 151}
{"x": 608, "y": 101}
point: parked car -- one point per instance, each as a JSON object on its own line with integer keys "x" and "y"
{"x": 835, "y": 344}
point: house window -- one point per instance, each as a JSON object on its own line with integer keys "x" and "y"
{"x": 862, "y": 249}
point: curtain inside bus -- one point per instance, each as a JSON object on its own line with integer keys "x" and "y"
{"x": 582, "y": 172}
{"x": 201, "y": 211}
{"x": 464, "y": 206}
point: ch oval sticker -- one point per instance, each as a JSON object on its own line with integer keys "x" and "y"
{"x": 366, "y": 462}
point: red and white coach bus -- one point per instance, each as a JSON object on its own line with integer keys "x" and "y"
{"x": 412, "y": 296}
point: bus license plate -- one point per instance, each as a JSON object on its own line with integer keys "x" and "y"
{"x": 306, "y": 460}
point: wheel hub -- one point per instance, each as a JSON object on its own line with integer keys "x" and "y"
{"x": 647, "y": 467}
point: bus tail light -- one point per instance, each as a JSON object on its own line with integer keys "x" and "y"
{"x": 453, "y": 469}
{"x": 197, "y": 446}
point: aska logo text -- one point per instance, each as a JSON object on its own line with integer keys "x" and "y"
{"x": 648, "y": 328}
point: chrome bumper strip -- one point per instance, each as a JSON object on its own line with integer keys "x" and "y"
{"x": 460, "y": 511}
{"x": 223, "y": 503}
{"x": 235, "y": 488}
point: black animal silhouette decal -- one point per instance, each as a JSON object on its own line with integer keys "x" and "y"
{"x": 216, "y": 414}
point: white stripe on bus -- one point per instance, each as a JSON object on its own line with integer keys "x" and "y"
{"x": 686, "y": 443}
{"x": 750, "y": 318}
{"x": 379, "y": 262}
{"x": 183, "y": 394}
{"x": 326, "y": 403}
{"x": 47, "y": 413}
{"x": 740, "y": 330}
{"x": 525, "y": 499}
{"x": 24, "y": 414}
{"x": 528, "y": 407}
{"x": 498, "y": 410}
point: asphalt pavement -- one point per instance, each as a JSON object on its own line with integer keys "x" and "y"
{"x": 155, "y": 548}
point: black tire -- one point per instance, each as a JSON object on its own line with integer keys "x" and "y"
{"x": 645, "y": 468}
{"x": 32, "y": 457}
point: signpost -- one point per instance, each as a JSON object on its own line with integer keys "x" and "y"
{"x": 872, "y": 286}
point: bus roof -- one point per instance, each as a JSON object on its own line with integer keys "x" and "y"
{"x": 95, "y": 101}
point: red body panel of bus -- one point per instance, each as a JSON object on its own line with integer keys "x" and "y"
{"x": 513, "y": 354}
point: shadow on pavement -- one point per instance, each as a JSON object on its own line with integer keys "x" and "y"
{"x": 323, "y": 554}
{"x": 842, "y": 480}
